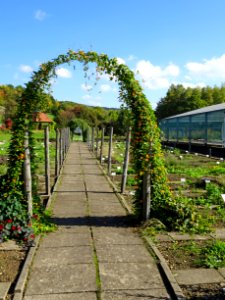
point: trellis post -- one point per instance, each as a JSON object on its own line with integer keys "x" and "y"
{"x": 102, "y": 144}
{"x": 97, "y": 131}
{"x": 146, "y": 195}
{"x": 27, "y": 175}
{"x": 47, "y": 162}
{"x": 92, "y": 138}
{"x": 110, "y": 151}
{"x": 60, "y": 148}
{"x": 126, "y": 161}
{"x": 57, "y": 143}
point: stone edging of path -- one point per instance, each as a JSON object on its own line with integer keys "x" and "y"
{"x": 20, "y": 285}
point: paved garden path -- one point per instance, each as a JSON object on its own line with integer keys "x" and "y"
{"x": 95, "y": 253}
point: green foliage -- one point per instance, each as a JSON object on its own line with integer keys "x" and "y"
{"x": 180, "y": 99}
{"x": 14, "y": 223}
{"x": 214, "y": 193}
{"x": 214, "y": 255}
{"x": 41, "y": 220}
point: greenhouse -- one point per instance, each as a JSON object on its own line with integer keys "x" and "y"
{"x": 202, "y": 126}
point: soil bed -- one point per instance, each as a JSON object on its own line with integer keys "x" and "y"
{"x": 181, "y": 255}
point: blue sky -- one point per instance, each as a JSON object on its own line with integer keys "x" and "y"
{"x": 162, "y": 41}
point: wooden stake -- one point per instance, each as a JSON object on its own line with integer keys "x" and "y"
{"x": 47, "y": 163}
{"x": 110, "y": 151}
{"x": 27, "y": 175}
{"x": 126, "y": 161}
{"x": 102, "y": 144}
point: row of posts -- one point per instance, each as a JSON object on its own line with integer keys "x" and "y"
{"x": 94, "y": 145}
{"x": 61, "y": 147}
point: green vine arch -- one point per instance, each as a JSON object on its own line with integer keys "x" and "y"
{"x": 146, "y": 147}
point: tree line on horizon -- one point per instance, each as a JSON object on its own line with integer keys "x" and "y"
{"x": 178, "y": 100}
{"x": 66, "y": 113}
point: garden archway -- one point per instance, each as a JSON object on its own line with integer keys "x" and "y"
{"x": 146, "y": 147}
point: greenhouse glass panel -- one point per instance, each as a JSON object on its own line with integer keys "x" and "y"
{"x": 183, "y": 128}
{"x": 172, "y": 129}
{"x": 215, "y": 126}
{"x": 164, "y": 130}
{"x": 198, "y": 128}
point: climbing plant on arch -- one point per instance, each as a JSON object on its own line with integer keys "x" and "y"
{"x": 146, "y": 147}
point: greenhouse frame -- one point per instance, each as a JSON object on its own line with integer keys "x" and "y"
{"x": 200, "y": 126}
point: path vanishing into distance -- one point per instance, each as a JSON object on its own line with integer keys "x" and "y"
{"x": 96, "y": 253}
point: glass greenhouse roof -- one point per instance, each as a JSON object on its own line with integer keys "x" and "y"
{"x": 206, "y": 109}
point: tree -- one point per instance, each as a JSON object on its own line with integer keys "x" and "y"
{"x": 179, "y": 99}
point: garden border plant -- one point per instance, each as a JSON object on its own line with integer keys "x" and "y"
{"x": 146, "y": 146}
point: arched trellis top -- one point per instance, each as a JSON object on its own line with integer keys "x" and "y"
{"x": 146, "y": 145}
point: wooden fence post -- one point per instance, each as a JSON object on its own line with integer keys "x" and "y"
{"x": 47, "y": 163}
{"x": 110, "y": 151}
{"x": 146, "y": 195}
{"x": 97, "y": 131}
{"x": 92, "y": 138}
{"x": 60, "y": 148}
{"x": 102, "y": 144}
{"x": 27, "y": 175}
{"x": 57, "y": 143}
{"x": 126, "y": 161}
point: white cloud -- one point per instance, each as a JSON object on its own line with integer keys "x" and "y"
{"x": 86, "y": 97}
{"x": 193, "y": 85}
{"x": 208, "y": 69}
{"x": 120, "y": 61}
{"x": 93, "y": 101}
{"x": 171, "y": 70}
{"x": 26, "y": 69}
{"x": 63, "y": 72}
{"x": 131, "y": 57}
{"x": 104, "y": 88}
{"x": 85, "y": 87}
{"x": 40, "y": 15}
{"x": 155, "y": 77}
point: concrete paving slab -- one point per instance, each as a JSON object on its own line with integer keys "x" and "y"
{"x": 74, "y": 229}
{"x": 63, "y": 256}
{"x": 219, "y": 234}
{"x": 197, "y": 276}
{"x": 108, "y": 211}
{"x": 153, "y": 294}
{"x": 59, "y": 239}
{"x": 69, "y": 196}
{"x": 101, "y": 197}
{"x": 187, "y": 237}
{"x": 70, "y": 212}
{"x": 70, "y": 188}
{"x": 222, "y": 272}
{"x": 62, "y": 279}
{"x": 66, "y": 296}
{"x": 126, "y": 276}
{"x": 123, "y": 253}
{"x": 73, "y": 204}
{"x": 115, "y": 236}
{"x": 105, "y": 205}
{"x": 68, "y": 221}
{"x": 163, "y": 238}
